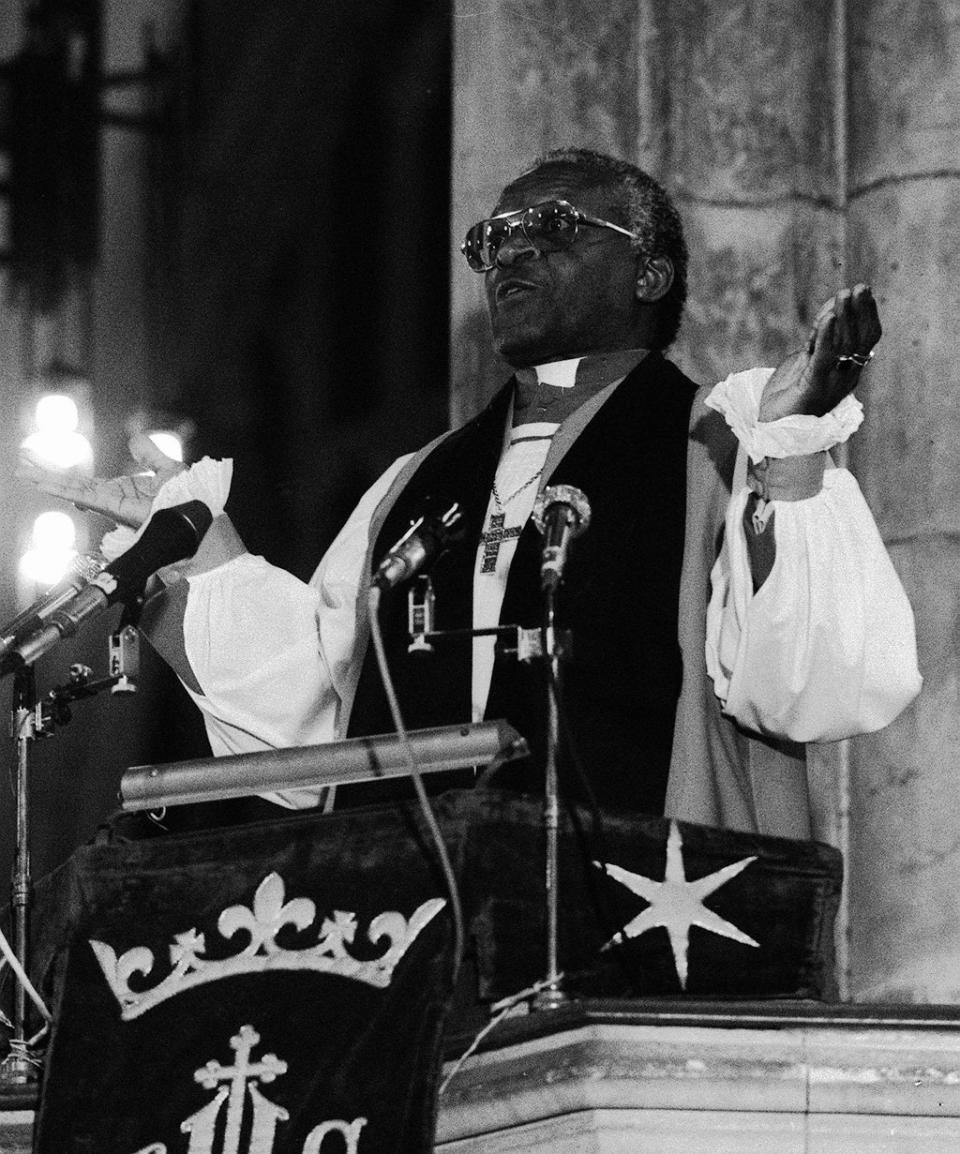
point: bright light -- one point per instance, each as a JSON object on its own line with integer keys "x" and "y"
{"x": 52, "y": 540}
{"x": 168, "y": 443}
{"x": 45, "y": 568}
{"x": 59, "y": 450}
{"x": 54, "y": 532}
{"x": 57, "y": 413}
{"x": 56, "y": 442}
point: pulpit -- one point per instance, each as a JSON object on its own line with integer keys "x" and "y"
{"x": 284, "y": 985}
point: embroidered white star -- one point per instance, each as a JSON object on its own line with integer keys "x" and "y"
{"x": 677, "y": 904}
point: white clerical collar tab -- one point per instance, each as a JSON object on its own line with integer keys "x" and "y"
{"x": 559, "y": 374}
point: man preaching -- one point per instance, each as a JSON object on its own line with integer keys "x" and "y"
{"x": 731, "y": 600}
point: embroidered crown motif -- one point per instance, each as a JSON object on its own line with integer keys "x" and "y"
{"x": 262, "y": 923}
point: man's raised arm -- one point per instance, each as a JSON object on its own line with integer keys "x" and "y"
{"x": 810, "y": 635}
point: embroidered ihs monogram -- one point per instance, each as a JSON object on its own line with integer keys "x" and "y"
{"x": 234, "y": 1085}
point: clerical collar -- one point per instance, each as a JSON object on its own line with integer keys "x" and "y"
{"x": 590, "y": 373}
{"x": 553, "y": 391}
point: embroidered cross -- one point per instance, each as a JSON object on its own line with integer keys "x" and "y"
{"x": 493, "y": 539}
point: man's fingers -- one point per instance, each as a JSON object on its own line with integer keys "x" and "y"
{"x": 864, "y": 307}
{"x": 824, "y": 337}
{"x": 848, "y": 324}
{"x": 858, "y": 321}
{"x": 122, "y": 499}
{"x": 68, "y": 486}
{"x": 825, "y": 310}
{"x": 814, "y": 381}
{"x": 847, "y": 333}
{"x": 30, "y": 468}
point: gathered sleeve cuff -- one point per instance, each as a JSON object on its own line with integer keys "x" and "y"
{"x": 207, "y": 480}
{"x": 738, "y": 399}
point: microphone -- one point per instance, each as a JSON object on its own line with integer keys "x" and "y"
{"x": 171, "y": 534}
{"x": 83, "y": 568}
{"x": 426, "y": 538}
{"x": 561, "y": 513}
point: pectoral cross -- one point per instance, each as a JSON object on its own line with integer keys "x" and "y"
{"x": 493, "y": 538}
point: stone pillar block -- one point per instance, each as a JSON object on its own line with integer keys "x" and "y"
{"x": 904, "y": 65}
{"x": 905, "y": 241}
{"x": 751, "y": 100}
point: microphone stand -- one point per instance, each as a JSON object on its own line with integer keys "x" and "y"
{"x": 550, "y": 994}
{"x": 30, "y": 719}
{"x": 550, "y": 645}
{"x": 20, "y": 1069}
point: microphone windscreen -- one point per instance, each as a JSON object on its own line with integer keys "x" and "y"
{"x": 170, "y": 535}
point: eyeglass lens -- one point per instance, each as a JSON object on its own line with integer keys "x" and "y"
{"x": 549, "y": 226}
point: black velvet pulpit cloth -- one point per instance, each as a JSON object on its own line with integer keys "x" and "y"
{"x": 281, "y": 987}
{"x": 275, "y": 987}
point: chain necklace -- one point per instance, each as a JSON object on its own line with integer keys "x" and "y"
{"x": 502, "y": 502}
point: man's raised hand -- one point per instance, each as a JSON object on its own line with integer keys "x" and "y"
{"x": 815, "y": 379}
{"x": 126, "y": 500}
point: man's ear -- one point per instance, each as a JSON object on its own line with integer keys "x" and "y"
{"x": 654, "y": 278}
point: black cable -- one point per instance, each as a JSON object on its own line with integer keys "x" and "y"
{"x": 456, "y": 908}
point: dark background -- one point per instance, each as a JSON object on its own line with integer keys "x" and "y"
{"x": 297, "y": 211}
{"x": 302, "y": 320}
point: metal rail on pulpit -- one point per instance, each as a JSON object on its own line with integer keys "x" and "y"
{"x": 488, "y": 743}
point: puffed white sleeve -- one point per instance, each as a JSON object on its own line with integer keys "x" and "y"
{"x": 826, "y": 647}
{"x": 267, "y": 657}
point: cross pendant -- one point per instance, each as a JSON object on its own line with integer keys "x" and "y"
{"x": 493, "y": 539}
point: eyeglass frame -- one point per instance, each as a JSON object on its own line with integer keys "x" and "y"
{"x": 520, "y": 213}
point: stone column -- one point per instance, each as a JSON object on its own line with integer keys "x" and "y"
{"x": 904, "y": 208}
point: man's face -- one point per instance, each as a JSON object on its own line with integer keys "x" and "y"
{"x": 546, "y": 306}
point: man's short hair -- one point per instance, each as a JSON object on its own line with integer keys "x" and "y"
{"x": 644, "y": 207}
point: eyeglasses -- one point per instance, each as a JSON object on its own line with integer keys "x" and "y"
{"x": 548, "y": 227}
